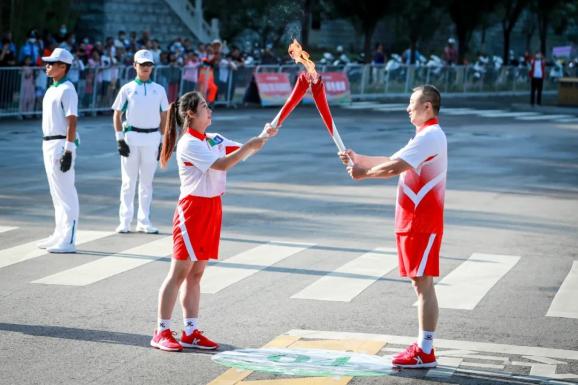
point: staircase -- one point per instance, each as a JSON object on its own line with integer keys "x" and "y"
{"x": 192, "y": 17}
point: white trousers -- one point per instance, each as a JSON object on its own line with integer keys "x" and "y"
{"x": 142, "y": 164}
{"x": 62, "y": 190}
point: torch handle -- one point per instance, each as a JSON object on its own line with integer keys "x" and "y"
{"x": 339, "y": 143}
{"x": 275, "y": 121}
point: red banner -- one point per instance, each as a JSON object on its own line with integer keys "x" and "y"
{"x": 337, "y": 88}
{"x": 274, "y": 88}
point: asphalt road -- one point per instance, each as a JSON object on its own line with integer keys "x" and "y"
{"x": 512, "y": 193}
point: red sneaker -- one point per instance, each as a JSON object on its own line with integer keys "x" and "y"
{"x": 165, "y": 341}
{"x": 404, "y": 352}
{"x": 198, "y": 340}
{"x": 414, "y": 357}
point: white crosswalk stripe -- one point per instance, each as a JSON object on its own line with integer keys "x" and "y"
{"x": 349, "y": 280}
{"x": 458, "y": 111}
{"x": 232, "y": 270}
{"x": 391, "y": 107}
{"x": 545, "y": 117}
{"x": 462, "y": 288}
{"x": 361, "y": 105}
{"x": 565, "y": 303}
{"x": 465, "y": 286}
{"x": 4, "y": 229}
{"x": 505, "y": 114}
{"x": 567, "y": 120}
{"x": 29, "y": 250}
{"x": 112, "y": 265}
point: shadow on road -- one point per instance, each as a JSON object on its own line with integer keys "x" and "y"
{"x": 102, "y": 336}
{"x": 90, "y": 335}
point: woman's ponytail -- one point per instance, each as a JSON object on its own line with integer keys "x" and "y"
{"x": 170, "y": 134}
{"x": 177, "y": 116}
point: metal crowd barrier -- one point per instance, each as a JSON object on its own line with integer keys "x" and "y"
{"x": 22, "y": 88}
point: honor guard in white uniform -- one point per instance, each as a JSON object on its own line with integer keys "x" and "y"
{"x": 59, "y": 114}
{"x": 144, "y": 104}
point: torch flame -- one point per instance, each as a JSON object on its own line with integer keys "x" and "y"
{"x": 296, "y": 52}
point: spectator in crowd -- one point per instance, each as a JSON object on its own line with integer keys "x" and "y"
{"x": 30, "y": 48}
{"x": 190, "y": 72}
{"x": 188, "y": 45}
{"x": 69, "y": 42}
{"x": 107, "y": 61}
{"x": 144, "y": 38}
{"x": 202, "y": 51}
{"x": 46, "y": 40}
{"x": 236, "y": 57}
{"x": 537, "y": 75}
{"x": 164, "y": 59}
{"x": 10, "y": 79}
{"x": 378, "y": 62}
{"x": 156, "y": 50}
{"x": 268, "y": 56}
{"x": 62, "y": 33}
{"x": 40, "y": 86}
{"x": 27, "y": 95}
{"x": 77, "y": 74}
{"x": 93, "y": 76}
{"x": 49, "y": 46}
{"x": 527, "y": 58}
{"x": 7, "y": 51}
{"x": 76, "y": 68}
{"x": 451, "y": 52}
{"x": 87, "y": 47}
{"x": 378, "y": 55}
{"x": 407, "y": 58}
{"x": 173, "y": 74}
{"x": 121, "y": 40}
{"x": 132, "y": 42}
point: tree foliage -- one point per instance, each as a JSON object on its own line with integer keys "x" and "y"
{"x": 420, "y": 18}
{"x": 363, "y": 14}
{"x": 509, "y": 12}
{"x": 43, "y": 15}
{"x": 268, "y": 19}
{"x": 467, "y": 17}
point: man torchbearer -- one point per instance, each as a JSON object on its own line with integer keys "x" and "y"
{"x": 419, "y": 213}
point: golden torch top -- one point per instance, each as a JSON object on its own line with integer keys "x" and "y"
{"x": 300, "y": 56}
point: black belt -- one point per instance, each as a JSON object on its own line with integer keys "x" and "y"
{"x": 54, "y": 137}
{"x": 144, "y": 130}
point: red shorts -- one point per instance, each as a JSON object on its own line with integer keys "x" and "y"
{"x": 197, "y": 228}
{"x": 418, "y": 254}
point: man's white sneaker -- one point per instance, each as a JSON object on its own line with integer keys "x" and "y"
{"x": 148, "y": 229}
{"x": 122, "y": 229}
{"x": 47, "y": 242}
{"x": 62, "y": 248}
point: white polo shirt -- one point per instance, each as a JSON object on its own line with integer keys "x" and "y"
{"x": 60, "y": 101}
{"x": 142, "y": 103}
{"x": 196, "y": 153}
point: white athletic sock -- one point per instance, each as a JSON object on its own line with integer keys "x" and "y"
{"x": 191, "y": 325}
{"x": 163, "y": 324}
{"x": 425, "y": 341}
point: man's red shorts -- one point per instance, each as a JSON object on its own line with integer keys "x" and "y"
{"x": 197, "y": 228}
{"x": 418, "y": 254}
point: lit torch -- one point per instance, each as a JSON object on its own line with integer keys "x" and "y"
{"x": 302, "y": 84}
{"x": 318, "y": 90}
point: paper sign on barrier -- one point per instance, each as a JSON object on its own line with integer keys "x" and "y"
{"x": 337, "y": 88}
{"x": 273, "y": 88}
